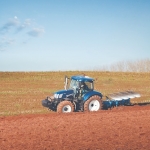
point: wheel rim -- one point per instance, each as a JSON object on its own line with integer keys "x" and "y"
{"x": 94, "y": 105}
{"x": 66, "y": 109}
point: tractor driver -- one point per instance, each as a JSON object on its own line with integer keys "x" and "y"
{"x": 83, "y": 87}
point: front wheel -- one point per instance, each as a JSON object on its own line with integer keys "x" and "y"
{"x": 65, "y": 107}
{"x": 94, "y": 103}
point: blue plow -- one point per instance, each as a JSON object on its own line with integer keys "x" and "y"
{"x": 120, "y": 99}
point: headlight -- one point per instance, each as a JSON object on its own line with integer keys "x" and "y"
{"x": 58, "y": 95}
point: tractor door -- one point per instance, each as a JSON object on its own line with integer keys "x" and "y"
{"x": 74, "y": 84}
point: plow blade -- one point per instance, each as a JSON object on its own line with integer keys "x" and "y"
{"x": 120, "y": 98}
{"x": 123, "y": 95}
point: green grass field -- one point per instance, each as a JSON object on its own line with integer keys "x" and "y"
{"x": 22, "y": 92}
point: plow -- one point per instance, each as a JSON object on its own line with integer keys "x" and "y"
{"x": 79, "y": 95}
{"x": 120, "y": 99}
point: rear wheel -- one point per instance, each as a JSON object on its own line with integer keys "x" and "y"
{"x": 94, "y": 103}
{"x": 65, "y": 107}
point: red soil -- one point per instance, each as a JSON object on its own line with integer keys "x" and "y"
{"x": 125, "y": 128}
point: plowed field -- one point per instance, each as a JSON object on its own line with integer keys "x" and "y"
{"x": 123, "y": 128}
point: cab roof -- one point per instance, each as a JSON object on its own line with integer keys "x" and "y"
{"x": 82, "y": 78}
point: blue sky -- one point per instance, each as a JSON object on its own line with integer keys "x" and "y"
{"x": 55, "y": 35}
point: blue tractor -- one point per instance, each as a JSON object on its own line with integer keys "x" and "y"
{"x": 80, "y": 95}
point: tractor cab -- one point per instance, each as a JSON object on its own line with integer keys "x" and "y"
{"x": 80, "y": 85}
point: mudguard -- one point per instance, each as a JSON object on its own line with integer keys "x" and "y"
{"x": 91, "y": 93}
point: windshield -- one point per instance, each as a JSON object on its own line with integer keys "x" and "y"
{"x": 86, "y": 85}
{"x": 74, "y": 84}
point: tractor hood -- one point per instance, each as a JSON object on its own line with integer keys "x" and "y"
{"x": 62, "y": 94}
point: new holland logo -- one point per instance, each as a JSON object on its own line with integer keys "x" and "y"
{"x": 68, "y": 95}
